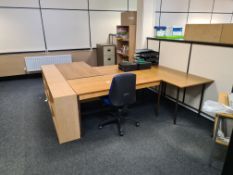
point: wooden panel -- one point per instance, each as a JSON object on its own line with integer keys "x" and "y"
{"x": 129, "y": 18}
{"x": 132, "y": 42}
{"x": 203, "y": 32}
{"x": 77, "y": 70}
{"x": 63, "y": 104}
{"x": 227, "y": 34}
{"x": 223, "y": 98}
{"x": 14, "y": 64}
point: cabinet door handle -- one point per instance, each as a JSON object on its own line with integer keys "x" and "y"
{"x": 109, "y": 59}
{"x": 109, "y": 50}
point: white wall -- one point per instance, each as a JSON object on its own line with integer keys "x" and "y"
{"x": 145, "y": 21}
{"x": 70, "y": 24}
{"x": 181, "y": 12}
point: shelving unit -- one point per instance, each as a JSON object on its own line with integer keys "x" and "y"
{"x": 126, "y": 42}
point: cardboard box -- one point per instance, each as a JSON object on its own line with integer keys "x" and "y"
{"x": 129, "y": 18}
{"x": 203, "y": 32}
{"x": 227, "y": 34}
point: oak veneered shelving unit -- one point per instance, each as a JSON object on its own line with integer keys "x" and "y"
{"x": 126, "y": 42}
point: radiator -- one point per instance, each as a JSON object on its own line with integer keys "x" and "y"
{"x": 33, "y": 64}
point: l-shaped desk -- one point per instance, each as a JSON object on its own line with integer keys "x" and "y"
{"x": 66, "y": 85}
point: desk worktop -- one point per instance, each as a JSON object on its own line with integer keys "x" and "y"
{"x": 67, "y": 85}
{"x": 101, "y": 84}
{"x": 83, "y": 78}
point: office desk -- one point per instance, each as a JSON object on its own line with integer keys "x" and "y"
{"x": 67, "y": 85}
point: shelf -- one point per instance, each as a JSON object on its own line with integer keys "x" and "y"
{"x": 124, "y": 55}
{"x": 123, "y": 40}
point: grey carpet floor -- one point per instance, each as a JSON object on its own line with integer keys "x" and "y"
{"x": 28, "y": 143}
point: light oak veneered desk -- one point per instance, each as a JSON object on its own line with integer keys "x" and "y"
{"x": 68, "y": 84}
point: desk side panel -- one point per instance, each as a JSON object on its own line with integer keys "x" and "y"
{"x": 63, "y": 104}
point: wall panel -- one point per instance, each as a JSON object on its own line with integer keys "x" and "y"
{"x": 158, "y": 4}
{"x": 20, "y": 30}
{"x": 174, "y": 19}
{"x": 177, "y": 58}
{"x": 199, "y": 18}
{"x": 19, "y": 3}
{"x": 66, "y": 29}
{"x": 154, "y": 45}
{"x": 175, "y": 6}
{"x": 133, "y": 5}
{"x": 210, "y": 61}
{"x": 108, "y": 5}
{"x": 71, "y": 4}
{"x": 201, "y": 6}
{"x": 221, "y": 18}
{"x": 214, "y": 63}
{"x": 102, "y": 24}
{"x": 223, "y": 6}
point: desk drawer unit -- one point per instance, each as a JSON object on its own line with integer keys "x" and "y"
{"x": 106, "y": 55}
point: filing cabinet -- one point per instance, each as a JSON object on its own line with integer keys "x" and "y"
{"x": 106, "y": 55}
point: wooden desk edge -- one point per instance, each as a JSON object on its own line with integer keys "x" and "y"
{"x": 105, "y": 92}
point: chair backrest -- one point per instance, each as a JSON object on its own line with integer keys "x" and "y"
{"x": 123, "y": 90}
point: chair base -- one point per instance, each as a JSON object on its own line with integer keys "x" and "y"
{"x": 119, "y": 121}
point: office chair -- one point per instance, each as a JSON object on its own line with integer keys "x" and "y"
{"x": 122, "y": 94}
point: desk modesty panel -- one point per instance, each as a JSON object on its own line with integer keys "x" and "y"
{"x": 68, "y": 84}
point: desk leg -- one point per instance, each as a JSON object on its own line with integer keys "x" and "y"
{"x": 183, "y": 100}
{"x": 177, "y": 104}
{"x": 164, "y": 89}
{"x": 214, "y": 139}
{"x": 201, "y": 101}
{"x": 158, "y": 100}
{"x": 82, "y": 129}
